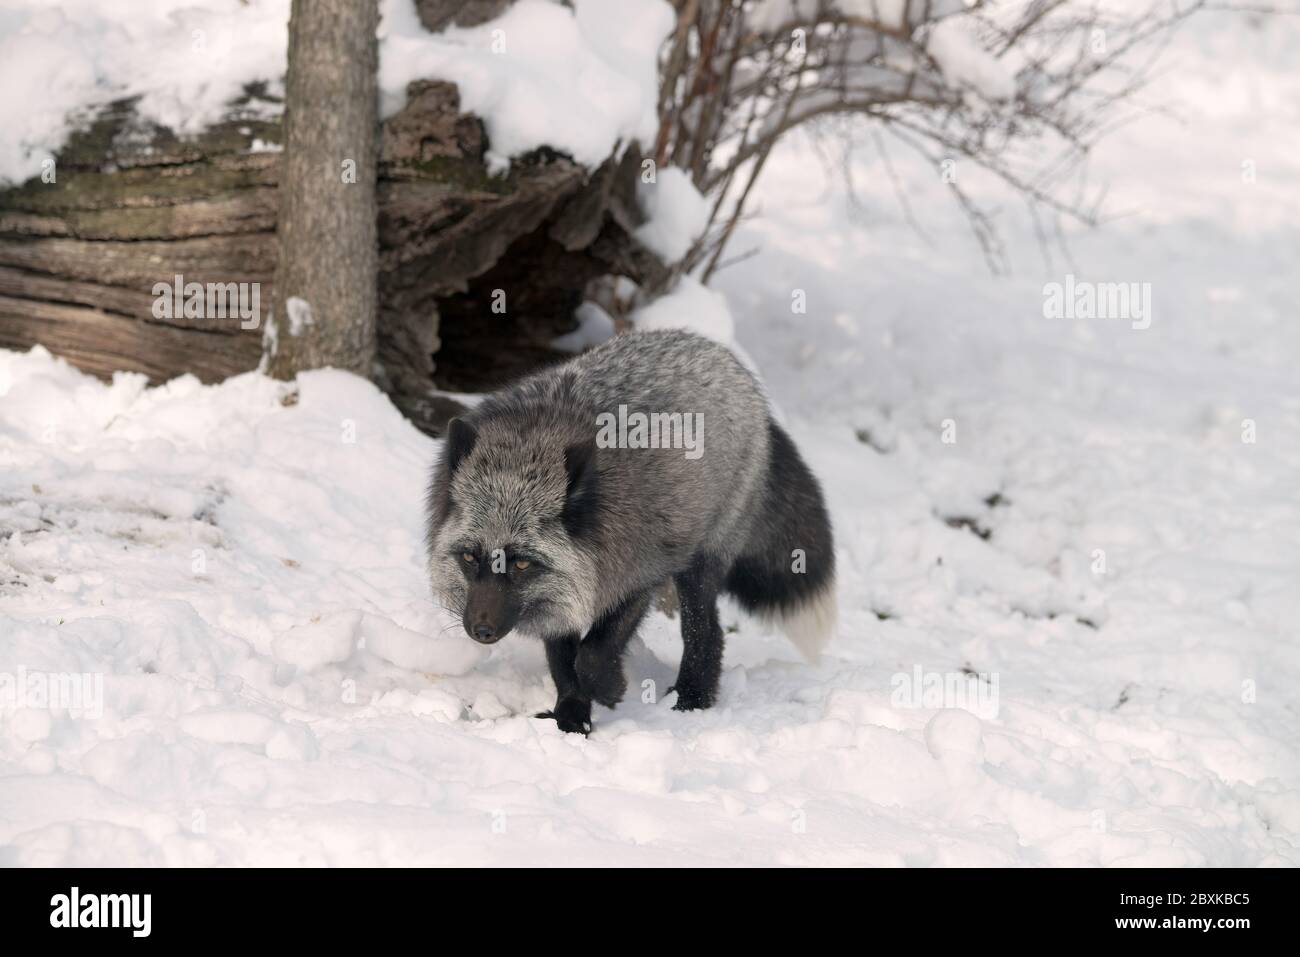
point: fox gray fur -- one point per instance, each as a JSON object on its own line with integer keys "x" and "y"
{"x": 535, "y": 525}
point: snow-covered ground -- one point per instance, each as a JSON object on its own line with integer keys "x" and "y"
{"x": 1102, "y": 522}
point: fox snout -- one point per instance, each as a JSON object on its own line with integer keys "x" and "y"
{"x": 489, "y": 613}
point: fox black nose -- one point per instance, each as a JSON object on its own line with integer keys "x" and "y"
{"x": 485, "y": 633}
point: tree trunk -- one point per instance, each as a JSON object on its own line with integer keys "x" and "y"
{"x": 328, "y": 259}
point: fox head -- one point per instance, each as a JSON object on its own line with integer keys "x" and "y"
{"x": 507, "y": 507}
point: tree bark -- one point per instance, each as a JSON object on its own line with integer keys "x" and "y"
{"x": 327, "y": 234}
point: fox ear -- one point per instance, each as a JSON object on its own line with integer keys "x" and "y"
{"x": 578, "y": 461}
{"x": 461, "y": 437}
{"x": 580, "y": 501}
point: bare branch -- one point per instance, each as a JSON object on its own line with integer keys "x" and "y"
{"x": 937, "y": 74}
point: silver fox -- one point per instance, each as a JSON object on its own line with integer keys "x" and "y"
{"x": 535, "y": 525}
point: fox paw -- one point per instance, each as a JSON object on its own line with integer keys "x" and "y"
{"x": 690, "y": 699}
{"x": 572, "y": 716}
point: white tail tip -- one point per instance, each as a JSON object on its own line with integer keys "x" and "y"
{"x": 811, "y": 625}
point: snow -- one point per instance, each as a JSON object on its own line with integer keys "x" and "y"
{"x": 675, "y": 213}
{"x": 950, "y": 38}
{"x": 185, "y": 60}
{"x": 595, "y": 326}
{"x": 579, "y": 80}
{"x": 300, "y": 315}
{"x": 320, "y": 642}
{"x": 965, "y": 62}
{"x": 243, "y": 571}
{"x": 689, "y": 305}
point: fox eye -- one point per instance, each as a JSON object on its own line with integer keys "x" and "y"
{"x": 468, "y": 556}
{"x": 522, "y": 563}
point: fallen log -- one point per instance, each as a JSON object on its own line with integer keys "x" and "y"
{"x": 131, "y": 206}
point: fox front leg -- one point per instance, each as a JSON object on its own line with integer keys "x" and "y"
{"x": 592, "y": 669}
{"x": 572, "y": 711}
{"x": 599, "y": 662}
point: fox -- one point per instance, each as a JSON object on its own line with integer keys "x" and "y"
{"x": 548, "y": 516}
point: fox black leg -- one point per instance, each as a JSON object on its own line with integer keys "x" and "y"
{"x": 599, "y": 661}
{"x": 592, "y": 669}
{"x": 701, "y": 668}
{"x": 572, "y": 712}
